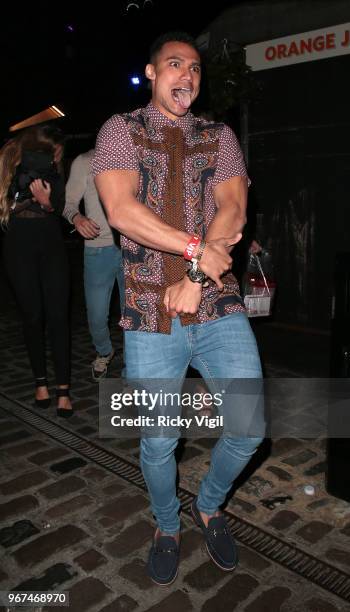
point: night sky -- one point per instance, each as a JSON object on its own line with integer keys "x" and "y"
{"x": 82, "y": 59}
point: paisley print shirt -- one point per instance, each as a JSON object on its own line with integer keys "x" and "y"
{"x": 179, "y": 163}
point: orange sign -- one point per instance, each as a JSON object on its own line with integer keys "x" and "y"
{"x": 306, "y": 47}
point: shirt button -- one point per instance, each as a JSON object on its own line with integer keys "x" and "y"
{"x": 174, "y": 173}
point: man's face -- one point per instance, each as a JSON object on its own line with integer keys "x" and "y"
{"x": 175, "y": 77}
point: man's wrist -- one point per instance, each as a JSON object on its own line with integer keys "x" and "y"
{"x": 199, "y": 250}
{"x": 192, "y": 285}
{"x": 75, "y": 218}
{"x": 191, "y": 247}
{"x": 194, "y": 249}
{"x": 194, "y": 273}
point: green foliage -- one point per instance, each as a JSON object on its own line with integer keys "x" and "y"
{"x": 230, "y": 80}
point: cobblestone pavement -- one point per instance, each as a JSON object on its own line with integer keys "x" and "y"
{"x": 70, "y": 524}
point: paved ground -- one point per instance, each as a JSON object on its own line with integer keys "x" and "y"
{"x": 67, "y": 523}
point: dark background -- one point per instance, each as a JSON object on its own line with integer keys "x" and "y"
{"x": 299, "y": 133}
{"x": 85, "y": 72}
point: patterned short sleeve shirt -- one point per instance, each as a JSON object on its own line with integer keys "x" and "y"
{"x": 179, "y": 163}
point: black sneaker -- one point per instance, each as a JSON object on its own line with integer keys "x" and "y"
{"x": 218, "y": 539}
{"x": 163, "y": 560}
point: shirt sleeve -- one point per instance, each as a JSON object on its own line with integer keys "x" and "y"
{"x": 76, "y": 186}
{"x": 230, "y": 158}
{"x": 114, "y": 149}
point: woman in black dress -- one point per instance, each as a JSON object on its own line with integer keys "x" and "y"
{"x": 32, "y": 197}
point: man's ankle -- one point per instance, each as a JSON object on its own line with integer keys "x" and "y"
{"x": 176, "y": 535}
{"x": 206, "y": 517}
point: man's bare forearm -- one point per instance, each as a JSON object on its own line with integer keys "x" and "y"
{"x": 231, "y": 201}
{"x": 137, "y": 222}
{"x": 118, "y": 189}
{"x": 227, "y": 222}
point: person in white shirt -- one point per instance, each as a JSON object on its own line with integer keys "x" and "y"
{"x": 102, "y": 258}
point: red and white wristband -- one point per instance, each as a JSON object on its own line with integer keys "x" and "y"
{"x": 191, "y": 248}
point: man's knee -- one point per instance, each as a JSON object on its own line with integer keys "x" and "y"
{"x": 97, "y": 320}
{"x": 158, "y": 450}
{"x": 242, "y": 447}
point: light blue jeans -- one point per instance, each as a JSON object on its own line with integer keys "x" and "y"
{"x": 102, "y": 267}
{"x": 220, "y": 349}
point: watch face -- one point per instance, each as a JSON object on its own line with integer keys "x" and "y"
{"x": 196, "y": 276}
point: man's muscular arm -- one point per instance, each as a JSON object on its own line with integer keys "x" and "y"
{"x": 118, "y": 189}
{"x": 231, "y": 201}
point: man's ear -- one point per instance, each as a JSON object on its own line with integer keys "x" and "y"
{"x": 150, "y": 72}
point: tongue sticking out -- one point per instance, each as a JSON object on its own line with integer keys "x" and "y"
{"x": 184, "y": 98}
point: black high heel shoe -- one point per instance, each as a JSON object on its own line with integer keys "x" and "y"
{"x": 42, "y": 403}
{"x": 65, "y": 413}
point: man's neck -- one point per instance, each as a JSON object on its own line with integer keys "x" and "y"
{"x": 172, "y": 118}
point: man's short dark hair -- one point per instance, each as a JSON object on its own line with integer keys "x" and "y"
{"x": 176, "y": 36}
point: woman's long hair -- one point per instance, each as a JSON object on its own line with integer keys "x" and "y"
{"x": 38, "y": 138}
{"x": 10, "y": 157}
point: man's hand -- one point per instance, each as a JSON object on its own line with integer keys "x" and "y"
{"x": 86, "y": 227}
{"x": 41, "y": 191}
{"x": 183, "y": 297}
{"x": 255, "y": 248}
{"x": 216, "y": 260}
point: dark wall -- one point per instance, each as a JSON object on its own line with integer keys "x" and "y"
{"x": 299, "y": 160}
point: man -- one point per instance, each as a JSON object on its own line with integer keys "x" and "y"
{"x": 102, "y": 258}
{"x": 167, "y": 180}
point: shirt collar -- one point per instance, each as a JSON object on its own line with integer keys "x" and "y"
{"x": 158, "y": 120}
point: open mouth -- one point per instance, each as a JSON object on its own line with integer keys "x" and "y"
{"x": 182, "y": 95}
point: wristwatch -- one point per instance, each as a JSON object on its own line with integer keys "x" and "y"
{"x": 194, "y": 273}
